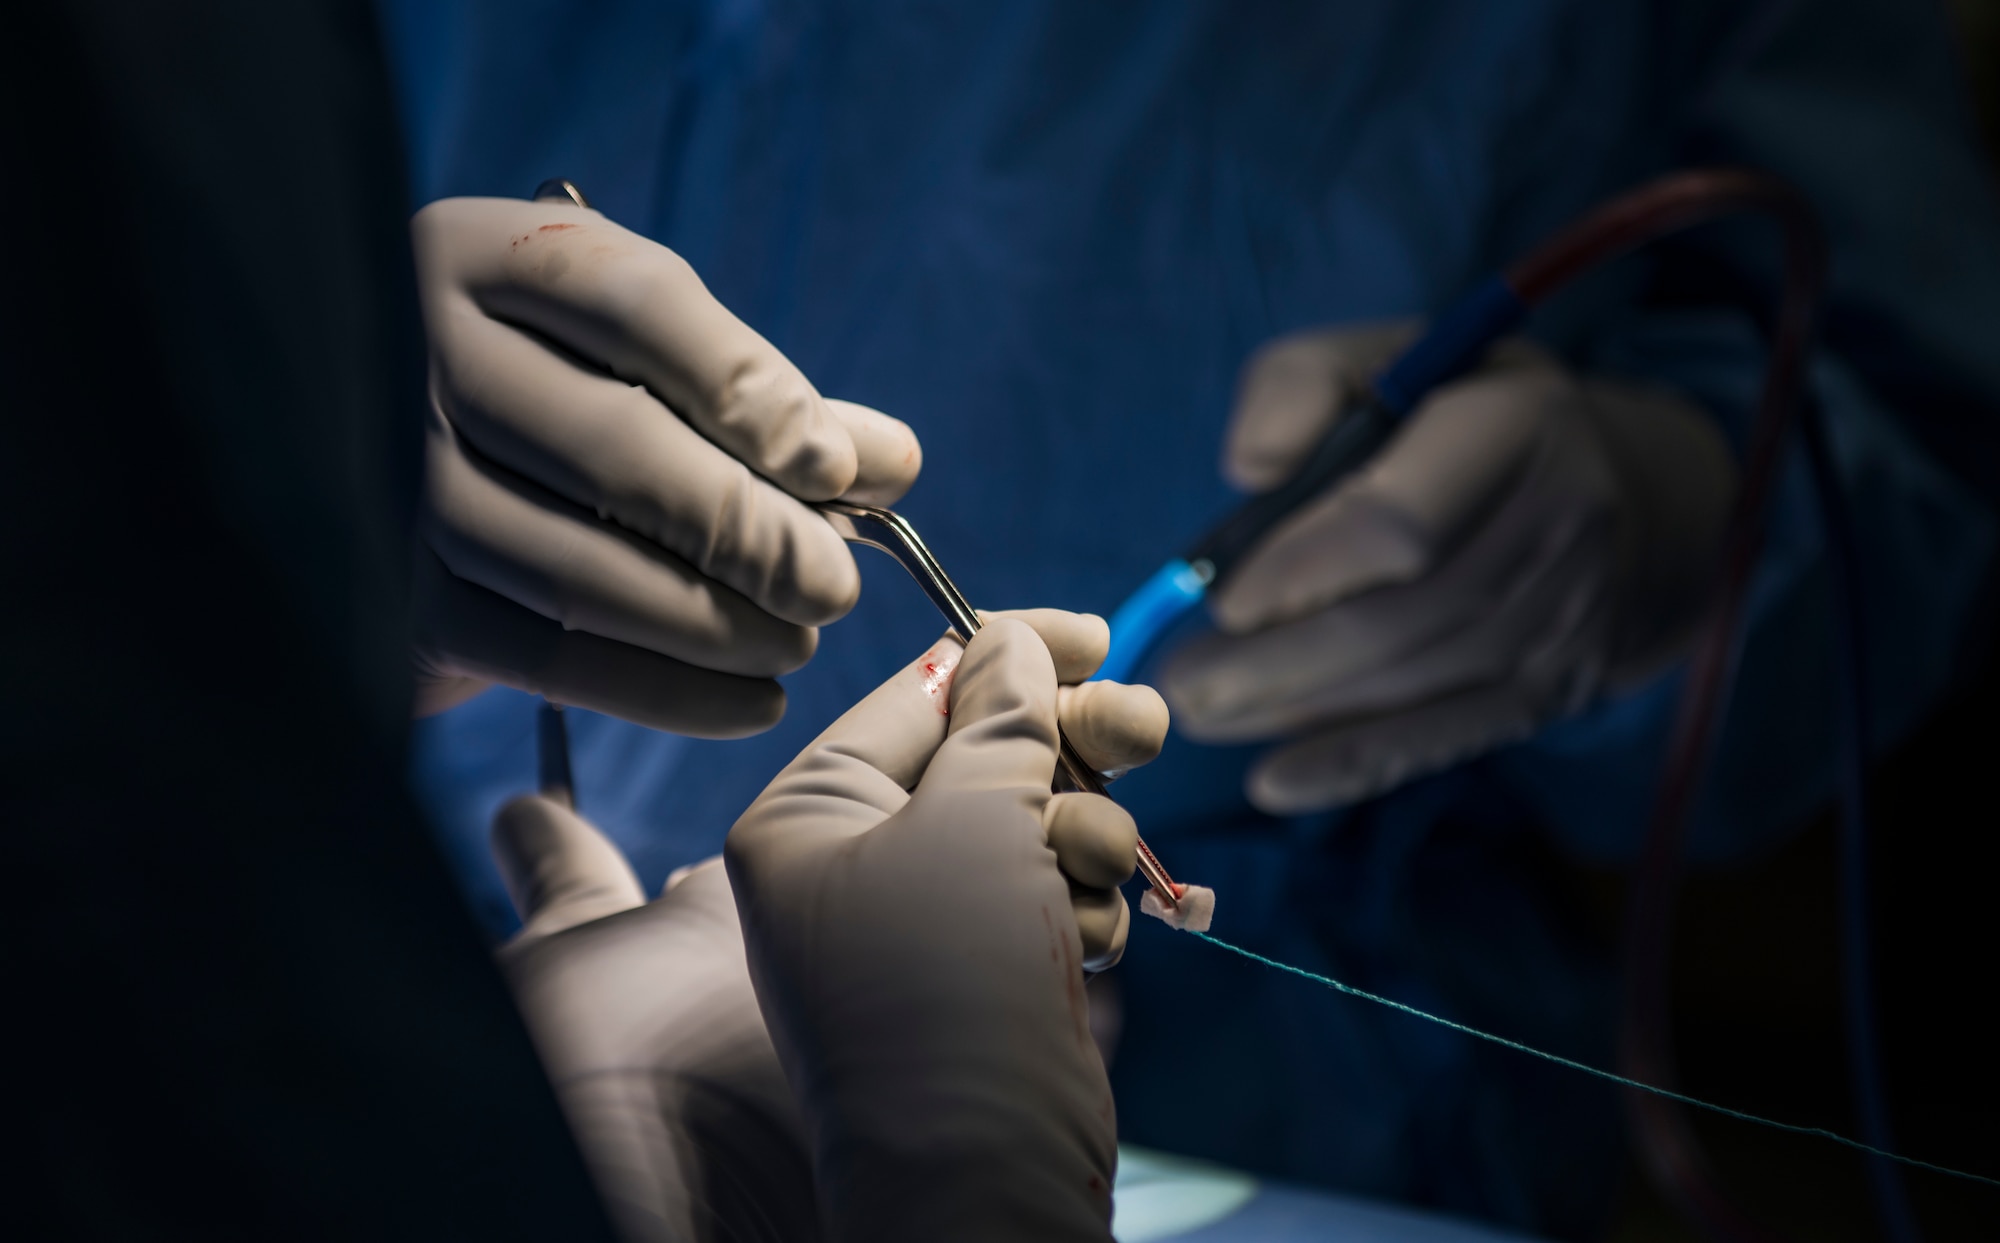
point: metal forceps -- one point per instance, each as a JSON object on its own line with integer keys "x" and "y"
{"x": 890, "y": 532}
{"x": 886, "y": 530}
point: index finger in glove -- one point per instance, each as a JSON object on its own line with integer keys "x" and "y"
{"x": 614, "y": 449}
{"x": 1446, "y": 469}
{"x": 1115, "y": 727}
{"x": 522, "y": 541}
{"x": 638, "y": 310}
{"x": 1077, "y": 642}
{"x": 1507, "y": 606}
{"x": 559, "y": 869}
{"x": 887, "y": 454}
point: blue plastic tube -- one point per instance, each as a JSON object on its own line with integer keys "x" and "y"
{"x": 1453, "y": 343}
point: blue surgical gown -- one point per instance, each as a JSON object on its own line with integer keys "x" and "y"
{"x": 1047, "y": 235}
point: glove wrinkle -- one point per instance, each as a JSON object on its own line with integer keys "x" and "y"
{"x": 512, "y": 536}
{"x": 619, "y": 452}
{"x": 637, "y": 310}
{"x": 771, "y": 408}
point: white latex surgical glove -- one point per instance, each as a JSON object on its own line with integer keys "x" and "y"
{"x": 615, "y": 471}
{"x": 644, "y": 1018}
{"x": 915, "y": 943}
{"x": 644, "y": 1015}
{"x": 1529, "y": 541}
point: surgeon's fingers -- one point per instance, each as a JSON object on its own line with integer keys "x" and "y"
{"x": 1095, "y": 840}
{"x": 638, "y": 310}
{"x": 516, "y": 538}
{"x": 1103, "y": 921}
{"x": 1292, "y": 392}
{"x": 1077, "y": 642}
{"x": 862, "y": 768}
{"x": 1361, "y": 759}
{"x": 1115, "y": 728}
{"x": 1096, "y": 846}
{"x": 857, "y": 773}
{"x": 559, "y": 869}
{"x": 474, "y": 637}
{"x": 1002, "y": 732}
{"x": 887, "y": 455}
{"x": 611, "y": 448}
{"x": 1448, "y": 467}
{"x": 1481, "y": 618}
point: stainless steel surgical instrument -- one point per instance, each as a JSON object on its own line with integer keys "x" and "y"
{"x": 886, "y": 530}
{"x": 890, "y": 532}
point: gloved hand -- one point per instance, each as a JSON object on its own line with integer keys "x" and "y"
{"x": 643, "y": 1013}
{"x": 915, "y": 942}
{"x": 614, "y": 474}
{"x": 1529, "y": 541}
{"x": 644, "y": 1019}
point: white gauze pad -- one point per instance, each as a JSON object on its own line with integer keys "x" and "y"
{"x": 1196, "y": 908}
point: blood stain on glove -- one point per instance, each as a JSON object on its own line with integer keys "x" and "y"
{"x": 529, "y": 237}
{"x": 938, "y": 668}
{"x": 1193, "y": 911}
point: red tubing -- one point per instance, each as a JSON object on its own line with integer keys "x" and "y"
{"x": 1680, "y": 201}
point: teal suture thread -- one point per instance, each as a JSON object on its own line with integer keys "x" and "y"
{"x": 1621, "y": 1080}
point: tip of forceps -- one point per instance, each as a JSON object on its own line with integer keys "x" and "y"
{"x": 892, "y": 533}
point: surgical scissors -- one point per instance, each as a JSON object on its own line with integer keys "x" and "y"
{"x": 892, "y": 533}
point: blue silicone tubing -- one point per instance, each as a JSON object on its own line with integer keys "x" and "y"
{"x": 1169, "y": 595}
{"x": 1455, "y": 340}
